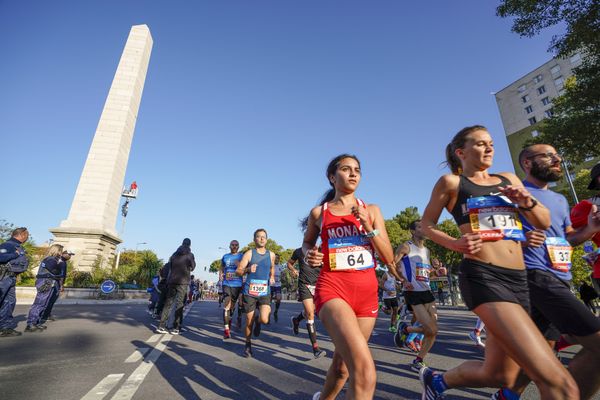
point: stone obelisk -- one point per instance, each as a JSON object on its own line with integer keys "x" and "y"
{"x": 90, "y": 229}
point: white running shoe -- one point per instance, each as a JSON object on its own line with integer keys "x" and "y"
{"x": 477, "y": 340}
{"x": 316, "y": 396}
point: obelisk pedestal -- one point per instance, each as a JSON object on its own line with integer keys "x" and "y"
{"x": 90, "y": 228}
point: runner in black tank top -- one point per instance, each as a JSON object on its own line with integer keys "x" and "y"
{"x": 492, "y": 280}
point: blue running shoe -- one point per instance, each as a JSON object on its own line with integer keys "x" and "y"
{"x": 429, "y": 392}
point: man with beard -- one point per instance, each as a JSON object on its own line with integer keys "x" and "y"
{"x": 547, "y": 253}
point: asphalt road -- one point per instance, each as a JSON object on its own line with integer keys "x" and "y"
{"x": 110, "y": 351}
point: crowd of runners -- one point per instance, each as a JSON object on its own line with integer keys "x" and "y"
{"x": 516, "y": 240}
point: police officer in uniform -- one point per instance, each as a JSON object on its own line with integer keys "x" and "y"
{"x": 13, "y": 261}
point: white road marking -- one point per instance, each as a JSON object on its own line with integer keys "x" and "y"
{"x": 154, "y": 338}
{"x": 103, "y": 388}
{"x": 133, "y": 383}
{"x": 137, "y": 355}
{"x": 136, "y": 378}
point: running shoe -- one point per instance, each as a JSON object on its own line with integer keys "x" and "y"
{"x": 33, "y": 328}
{"x": 497, "y": 395}
{"x": 429, "y": 392}
{"x": 161, "y": 329}
{"x": 226, "y": 334}
{"x": 399, "y": 339}
{"x": 477, "y": 340}
{"x": 248, "y": 352}
{"x": 295, "y": 325}
{"x": 316, "y": 396}
{"x": 417, "y": 365}
{"x": 256, "y": 330}
{"x": 412, "y": 346}
{"x": 174, "y": 331}
{"x": 41, "y": 326}
{"x": 318, "y": 353}
{"x": 9, "y": 332}
{"x": 393, "y": 329}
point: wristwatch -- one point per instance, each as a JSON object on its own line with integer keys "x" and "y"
{"x": 533, "y": 204}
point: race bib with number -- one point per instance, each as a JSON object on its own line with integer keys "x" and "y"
{"x": 258, "y": 287}
{"x": 350, "y": 253}
{"x": 559, "y": 251}
{"x": 494, "y": 218}
{"x": 422, "y": 271}
{"x": 231, "y": 276}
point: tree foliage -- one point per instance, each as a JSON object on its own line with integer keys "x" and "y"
{"x": 575, "y": 127}
{"x": 449, "y": 258}
{"x": 580, "y": 183}
{"x": 407, "y": 216}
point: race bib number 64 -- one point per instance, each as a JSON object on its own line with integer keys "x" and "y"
{"x": 350, "y": 253}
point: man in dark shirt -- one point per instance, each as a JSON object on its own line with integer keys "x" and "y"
{"x": 182, "y": 264}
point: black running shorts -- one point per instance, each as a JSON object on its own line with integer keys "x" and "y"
{"x": 232, "y": 293}
{"x": 251, "y": 302}
{"x": 414, "y": 298}
{"x": 305, "y": 292}
{"x": 557, "y": 307}
{"x": 391, "y": 303}
{"x": 482, "y": 283}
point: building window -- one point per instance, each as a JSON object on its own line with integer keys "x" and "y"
{"x": 529, "y": 109}
{"x": 546, "y": 101}
{"x": 555, "y": 70}
{"x": 559, "y": 82}
{"x": 541, "y": 90}
{"x": 522, "y": 88}
{"x": 535, "y": 133}
{"x": 549, "y": 113}
{"x": 575, "y": 58}
{"x": 538, "y": 78}
{"x": 525, "y": 98}
{"x": 532, "y": 120}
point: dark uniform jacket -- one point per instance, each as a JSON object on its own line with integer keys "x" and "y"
{"x": 182, "y": 263}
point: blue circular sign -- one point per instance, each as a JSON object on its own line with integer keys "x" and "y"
{"x": 108, "y": 286}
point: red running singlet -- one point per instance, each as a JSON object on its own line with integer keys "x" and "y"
{"x": 349, "y": 263}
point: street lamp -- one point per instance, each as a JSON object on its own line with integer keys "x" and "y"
{"x": 136, "y": 250}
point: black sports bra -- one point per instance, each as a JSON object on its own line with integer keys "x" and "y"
{"x": 467, "y": 189}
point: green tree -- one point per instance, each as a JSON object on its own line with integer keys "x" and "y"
{"x": 575, "y": 127}
{"x": 449, "y": 258}
{"x": 407, "y": 216}
{"x": 580, "y": 183}
{"x": 215, "y": 266}
{"x": 395, "y": 232}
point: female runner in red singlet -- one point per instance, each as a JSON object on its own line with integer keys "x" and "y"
{"x": 346, "y": 291}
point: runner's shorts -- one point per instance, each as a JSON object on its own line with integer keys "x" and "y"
{"x": 555, "y": 309}
{"x": 391, "y": 303}
{"x": 251, "y": 302}
{"x": 305, "y": 291}
{"x": 275, "y": 290}
{"x": 414, "y": 298}
{"x": 482, "y": 283}
{"x": 230, "y": 292}
{"x": 357, "y": 288}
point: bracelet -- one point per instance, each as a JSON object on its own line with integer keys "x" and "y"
{"x": 372, "y": 234}
{"x": 534, "y": 203}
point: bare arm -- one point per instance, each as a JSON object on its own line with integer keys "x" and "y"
{"x": 241, "y": 269}
{"x": 291, "y": 268}
{"x": 272, "y": 274}
{"x": 312, "y": 255}
{"x": 539, "y": 215}
{"x": 469, "y": 243}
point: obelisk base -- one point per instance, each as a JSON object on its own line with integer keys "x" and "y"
{"x": 90, "y": 246}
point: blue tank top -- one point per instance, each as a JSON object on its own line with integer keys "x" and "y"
{"x": 228, "y": 262}
{"x": 257, "y": 283}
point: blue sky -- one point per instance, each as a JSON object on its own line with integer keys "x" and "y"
{"x": 244, "y": 105}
